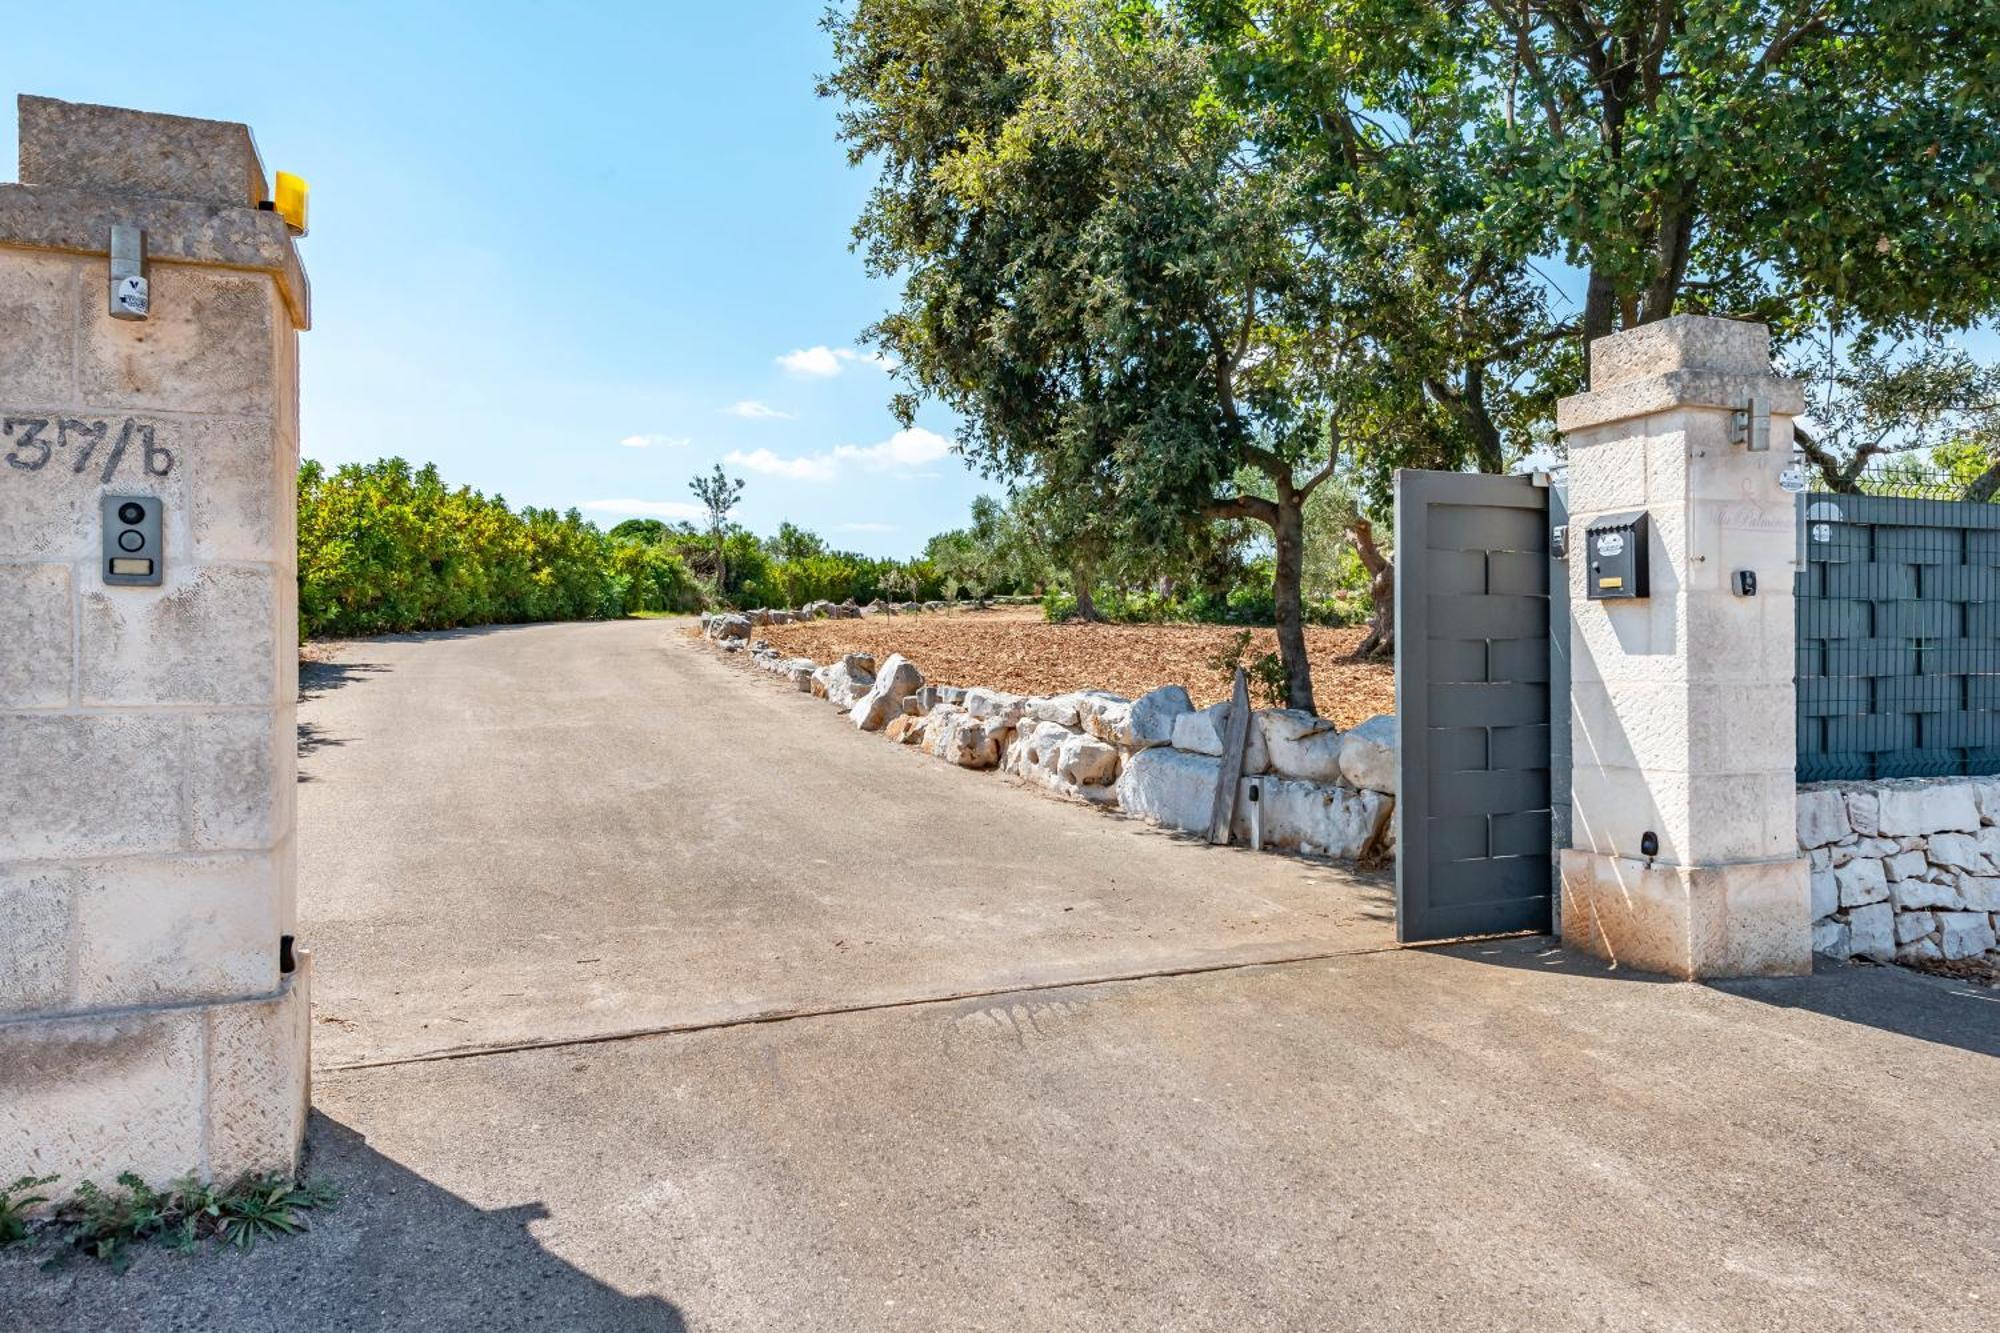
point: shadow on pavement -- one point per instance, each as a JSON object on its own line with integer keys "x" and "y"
{"x": 1892, "y": 999}
{"x": 398, "y": 1252}
{"x": 317, "y": 678}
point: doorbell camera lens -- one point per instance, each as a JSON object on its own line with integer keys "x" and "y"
{"x": 130, "y": 512}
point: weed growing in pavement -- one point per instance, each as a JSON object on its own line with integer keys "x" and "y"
{"x": 15, "y": 1201}
{"x": 106, "y": 1225}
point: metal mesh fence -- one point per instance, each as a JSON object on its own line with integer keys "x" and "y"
{"x": 1898, "y": 605}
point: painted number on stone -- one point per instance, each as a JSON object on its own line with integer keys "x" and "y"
{"x": 38, "y": 441}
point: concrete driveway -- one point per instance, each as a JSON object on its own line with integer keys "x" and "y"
{"x": 650, "y": 997}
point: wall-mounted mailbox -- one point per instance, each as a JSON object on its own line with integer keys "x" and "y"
{"x": 132, "y": 555}
{"x": 1615, "y": 547}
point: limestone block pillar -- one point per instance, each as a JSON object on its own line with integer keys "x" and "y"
{"x": 151, "y": 1018}
{"x": 1682, "y": 718}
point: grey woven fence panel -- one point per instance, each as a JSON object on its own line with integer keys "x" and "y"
{"x": 1898, "y": 606}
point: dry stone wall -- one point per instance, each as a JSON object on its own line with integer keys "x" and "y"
{"x": 1904, "y": 871}
{"x": 1306, "y": 786}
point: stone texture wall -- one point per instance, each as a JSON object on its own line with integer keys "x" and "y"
{"x": 147, "y": 734}
{"x": 1904, "y": 871}
{"x": 1681, "y": 720}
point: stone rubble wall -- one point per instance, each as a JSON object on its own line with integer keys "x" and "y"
{"x": 1905, "y": 870}
{"x": 1315, "y": 789}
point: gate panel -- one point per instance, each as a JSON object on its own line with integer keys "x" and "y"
{"x": 1474, "y": 792}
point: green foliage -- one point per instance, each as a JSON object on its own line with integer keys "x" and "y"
{"x": 15, "y": 1201}
{"x": 1875, "y": 397}
{"x": 385, "y": 548}
{"x": 1731, "y": 156}
{"x": 107, "y": 1224}
{"x": 1266, "y": 671}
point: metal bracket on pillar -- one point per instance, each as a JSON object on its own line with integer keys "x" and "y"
{"x": 1751, "y": 426}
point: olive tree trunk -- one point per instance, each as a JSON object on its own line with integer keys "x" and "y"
{"x": 1290, "y": 533}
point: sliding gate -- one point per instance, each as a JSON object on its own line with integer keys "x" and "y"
{"x": 1477, "y": 805}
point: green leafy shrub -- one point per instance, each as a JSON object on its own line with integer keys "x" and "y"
{"x": 386, "y": 548}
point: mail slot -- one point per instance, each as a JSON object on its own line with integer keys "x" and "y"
{"x": 1616, "y": 549}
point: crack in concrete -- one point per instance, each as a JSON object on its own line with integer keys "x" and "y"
{"x": 836, "y": 1010}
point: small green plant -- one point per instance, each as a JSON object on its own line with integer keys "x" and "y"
{"x": 1266, "y": 672}
{"x": 107, "y": 1224}
{"x": 15, "y": 1201}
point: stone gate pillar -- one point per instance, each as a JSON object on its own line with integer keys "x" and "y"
{"x": 1685, "y": 855}
{"x": 153, "y": 1017}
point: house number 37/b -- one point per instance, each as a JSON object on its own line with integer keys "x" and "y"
{"x": 38, "y": 441}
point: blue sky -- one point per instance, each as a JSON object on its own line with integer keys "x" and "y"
{"x": 566, "y": 252}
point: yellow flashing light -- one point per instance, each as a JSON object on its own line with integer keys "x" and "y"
{"x": 289, "y": 201}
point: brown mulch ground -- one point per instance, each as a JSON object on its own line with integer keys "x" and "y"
{"x": 1016, "y": 650}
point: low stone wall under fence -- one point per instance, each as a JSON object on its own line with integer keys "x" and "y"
{"x": 1904, "y": 870}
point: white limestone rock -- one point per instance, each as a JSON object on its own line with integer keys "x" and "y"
{"x": 1957, "y": 851}
{"x": 1032, "y": 753}
{"x": 1300, "y": 745}
{"x": 1912, "y": 894}
{"x": 1861, "y": 883}
{"x": 1172, "y": 787}
{"x": 1964, "y": 934}
{"x": 1979, "y": 893}
{"x": 968, "y": 741}
{"x": 982, "y": 702}
{"x": 1940, "y": 808}
{"x": 1914, "y": 925}
{"x": 1202, "y": 732}
{"x": 1862, "y": 811}
{"x": 1368, "y": 754}
{"x": 896, "y": 681}
{"x": 1830, "y": 937}
{"x": 1904, "y": 865}
{"x": 1825, "y": 894}
{"x": 843, "y": 682}
{"x": 1087, "y": 761}
{"x": 1057, "y": 708}
{"x": 1924, "y": 950}
{"x": 1103, "y": 713}
{"x": 1822, "y": 817}
{"x": 725, "y": 627}
{"x": 1871, "y": 933}
{"x": 1986, "y": 795}
{"x": 1315, "y": 818}
{"x": 1150, "y": 721}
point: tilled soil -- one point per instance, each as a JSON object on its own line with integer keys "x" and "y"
{"x": 1014, "y": 649}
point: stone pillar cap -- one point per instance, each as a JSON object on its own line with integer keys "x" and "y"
{"x": 1682, "y": 342}
{"x": 1685, "y": 361}
{"x": 111, "y": 150}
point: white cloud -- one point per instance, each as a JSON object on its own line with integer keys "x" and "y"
{"x": 869, "y": 527}
{"x": 816, "y": 362}
{"x": 649, "y": 508}
{"x": 909, "y": 448}
{"x": 756, "y": 411}
{"x": 906, "y": 448}
{"x": 656, "y": 441}
{"x": 823, "y": 362}
{"x": 810, "y": 467}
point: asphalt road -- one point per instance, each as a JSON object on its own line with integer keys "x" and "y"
{"x": 879, "y": 1075}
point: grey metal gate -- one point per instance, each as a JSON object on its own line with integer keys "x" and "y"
{"x": 1474, "y": 797}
